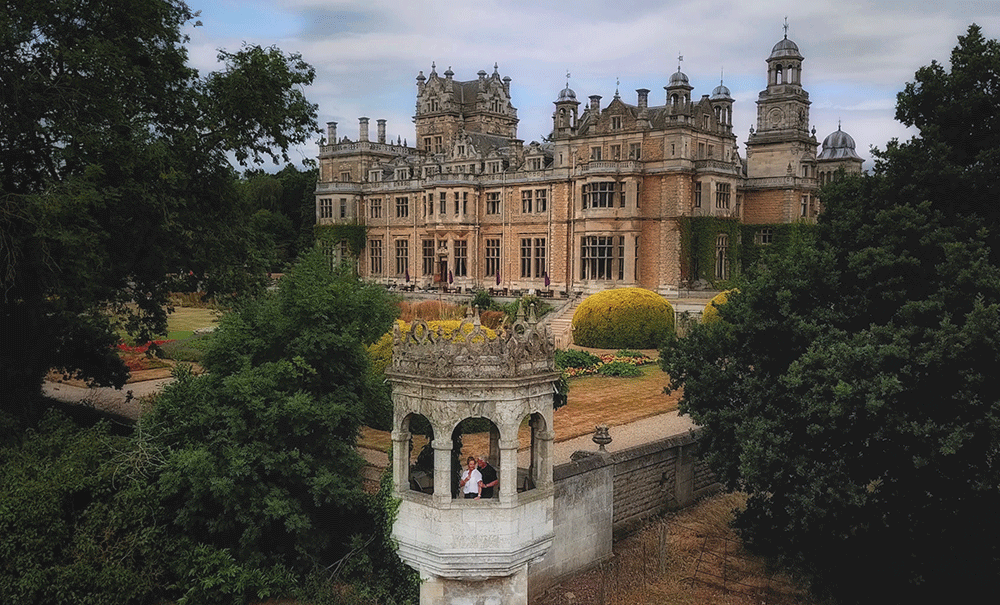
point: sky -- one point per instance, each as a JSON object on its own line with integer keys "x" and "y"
{"x": 367, "y": 55}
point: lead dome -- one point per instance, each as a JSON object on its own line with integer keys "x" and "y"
{"x": 679, "y": 78}
{"x": 838, "y": 145}
{"x": 721, "y": 92}
{"x": 785, "y": 48}
{"x": 566, "y": 94}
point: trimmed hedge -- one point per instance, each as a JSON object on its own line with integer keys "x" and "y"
{"x": 633, "y": 318}
{"x": 711, "y": 312}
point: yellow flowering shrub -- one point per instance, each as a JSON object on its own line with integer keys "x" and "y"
{"x": 711, "y": 312}
{"x": 381, "y": 350}
{"x": 624, "y": 318}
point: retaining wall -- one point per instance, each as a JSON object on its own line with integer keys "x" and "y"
{"x": 601, "y": 497}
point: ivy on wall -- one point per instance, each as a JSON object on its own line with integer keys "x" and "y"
{"x": 698, "y": 239}
{"x": 355, "y": 235}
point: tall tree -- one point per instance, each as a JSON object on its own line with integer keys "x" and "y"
{"x": 851, "y": 386}
{"x": 115, "y": 174}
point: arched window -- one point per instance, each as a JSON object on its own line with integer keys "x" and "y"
{"x": 529, "y": 459}
{"x": 477, "y": 438}
{"x": 722, "y": 256}
{"x": 778, "y": 75}
{"x": 673, "y": 100}
{"x": 420, "y": 474}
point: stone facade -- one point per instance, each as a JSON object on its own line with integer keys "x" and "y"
{"x": 599, "y": 205}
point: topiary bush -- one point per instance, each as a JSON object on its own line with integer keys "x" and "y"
{"x": 711, "y": 312}
{"x": 633, "y": 318}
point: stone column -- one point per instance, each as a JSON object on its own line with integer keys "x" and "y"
{"x": 544, "y": 441}
{"x": 442, "y": 471}
{"x": 508, "y": 471}
{"x": 401, "y": 460}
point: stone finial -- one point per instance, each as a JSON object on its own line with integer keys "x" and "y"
{"x": 601, "y": 436}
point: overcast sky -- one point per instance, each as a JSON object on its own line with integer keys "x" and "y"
{"x": 858, "y": 54}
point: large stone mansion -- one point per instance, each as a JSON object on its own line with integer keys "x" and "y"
{"x": 603, "y": 203}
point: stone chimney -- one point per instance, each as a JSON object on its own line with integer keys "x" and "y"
{"x": 362, "y": 129}
{"x": 595, "y": 103}
{"x": 381, "y": 130}
{"x": 331, "y": 133}
{"x": 643, "y": 97}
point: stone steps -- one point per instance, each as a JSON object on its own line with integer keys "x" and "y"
{"x": 561, "y": 323}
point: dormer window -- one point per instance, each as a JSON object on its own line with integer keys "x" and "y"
{"x": 616, "y": 122}
{"x": 461, "y": 150}
{"x": 435, "y": 106}
{"x": 402, "y": 174}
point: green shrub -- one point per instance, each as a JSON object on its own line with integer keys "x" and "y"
{"x": 575, "y": 358}
{"x": 623, "y": 318}
{"x": 525, "y": 302}
{"x": 619, "y": 369}
{"x": 482, "y": 301}
{"x": 630, "y": 353}
{"x": 711, "y": 312}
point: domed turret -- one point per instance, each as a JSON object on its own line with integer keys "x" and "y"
{"x": 838, "y": 146}
{"x": 721, "y": 93}
{"x": 566, "y": 94}
{"x": 785, "y": 48}
{"x": 679, "y": 78}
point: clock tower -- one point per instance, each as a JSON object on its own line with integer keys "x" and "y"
{"x": 782, "y": 142}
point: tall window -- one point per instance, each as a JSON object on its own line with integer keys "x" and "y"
{"x": 442, "y": 202}
{"x": 616, "y": 122}
{"x": 697, "y": 195}
{"x": 402, "y": 256}
{"x": 375, "y": 207}
{"x": 722, "y": 256}
{"x": 438, "y": 145}
{"x": 465, "y": 202}
{"x": 525, "y": 257}
{"x": 541, "y": 200}
{"x": 375, "y": 256}
{"x": 402, "y": 207}
{"x": 595, "y": 153}
{"x": 492, "y": 257}
{"x": 493, "y": 202}
{"x": 764, "y": 236}
{"x": 635, "y": 151}
{"x": 455, "y": 195}
{"x": 326, "y": 207}
{"x": 635, "y": 260}
{"x": 603, "y": 194}
{"x": 343, "y": 207}
{"x": 722, "y": 195}
{"x": 526, "y": 201}
{"x": 427, "y": 268}
{"x": 539, "y": 252}
{"x": 616, "y": 152}
{"x": 461, "y": 258}
{"x": 805, "y": 205}
{"x": 427, "y": 144}
{"x": 597, "y": 254}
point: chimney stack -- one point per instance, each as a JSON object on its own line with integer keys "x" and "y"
{"x": 595, "y": 103}
{"x": 381, "y": 131}
{"x": 331, "y": 133}
{"x": 362, "y": 129}
{"x": 643, "y": 97}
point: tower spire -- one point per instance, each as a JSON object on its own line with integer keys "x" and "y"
{"x": 785, "y": 27}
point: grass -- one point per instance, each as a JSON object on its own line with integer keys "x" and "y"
{"x": 185, "y": 320}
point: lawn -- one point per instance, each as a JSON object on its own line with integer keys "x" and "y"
{"x": 593, "y": 400}
{"x": 184, "y": 321}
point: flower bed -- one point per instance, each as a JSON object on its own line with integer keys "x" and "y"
{"x": 606, "y": 359}
{"x": 138, "y": 358}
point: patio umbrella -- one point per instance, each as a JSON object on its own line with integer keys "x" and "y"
{"x": 546, "y": 276}
{"x": 407, "y": 276}
{"x": 498, "y": 277}
{"x": 451, "y": 277}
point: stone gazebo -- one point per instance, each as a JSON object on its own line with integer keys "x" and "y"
{"x": 474, "y": 551}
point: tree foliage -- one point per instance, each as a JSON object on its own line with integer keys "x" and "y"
{"x": 851, "y": 387}
{"x": 115, "y": 175}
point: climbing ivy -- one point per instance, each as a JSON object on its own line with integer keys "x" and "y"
{"x": 698, "y": 237}
{"x": 354, "y": 234}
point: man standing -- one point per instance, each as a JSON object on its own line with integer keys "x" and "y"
{"x": 490, "y": 479}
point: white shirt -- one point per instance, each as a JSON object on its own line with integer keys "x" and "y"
{"x": 472, "y": 485}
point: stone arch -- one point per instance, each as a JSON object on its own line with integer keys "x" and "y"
{"x": 778, "y": 74}
{"x": 474, "y": 436}
{"x": 534, "y": 451}
{"x": 420, "y": 455}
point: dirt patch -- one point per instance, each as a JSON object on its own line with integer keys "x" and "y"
{"x": 691, "y": 557}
